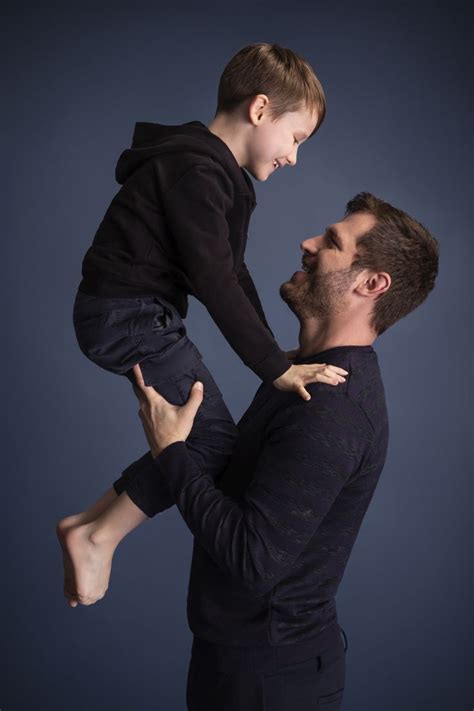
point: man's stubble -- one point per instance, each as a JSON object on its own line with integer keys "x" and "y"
{"x": 319, "y": 295}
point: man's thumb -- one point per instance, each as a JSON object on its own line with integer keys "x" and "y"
{"x": 195, "y": 397}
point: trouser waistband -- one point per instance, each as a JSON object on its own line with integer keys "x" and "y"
{"x": 261, "y": 655}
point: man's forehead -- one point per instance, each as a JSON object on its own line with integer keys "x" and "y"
{"x": 352, "y": 226}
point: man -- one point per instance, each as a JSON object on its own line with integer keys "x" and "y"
{"x": 272, "y": 536}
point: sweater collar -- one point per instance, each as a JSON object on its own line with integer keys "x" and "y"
{"x": 337, "y": 350}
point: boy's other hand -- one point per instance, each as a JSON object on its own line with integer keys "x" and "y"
{"x": 163, "y": 422}
{"x": 298, "y": 376}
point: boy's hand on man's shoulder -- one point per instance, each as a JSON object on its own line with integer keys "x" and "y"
{"x": 298, "y": 376}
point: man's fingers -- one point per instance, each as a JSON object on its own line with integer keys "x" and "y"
{"x": 145, "y": 392}
{"x": 138, "y": 376}
{"x": 194, "y": 400}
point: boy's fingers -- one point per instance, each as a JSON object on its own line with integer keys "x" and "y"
{"x": 340, "y": 371}
{"x": 302, "y": 392}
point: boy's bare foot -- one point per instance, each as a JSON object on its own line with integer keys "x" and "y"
{"x": 62, "y": 527}
{"x": 69, "y": 522}
{"x": 87, "y": 561}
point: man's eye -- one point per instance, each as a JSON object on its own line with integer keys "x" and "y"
{"x": 296, "y": 140}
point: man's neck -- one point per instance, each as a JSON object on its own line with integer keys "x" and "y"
{"x": 317, "y": 336}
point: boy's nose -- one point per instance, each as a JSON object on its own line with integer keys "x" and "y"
{"x": 291, "y": 158}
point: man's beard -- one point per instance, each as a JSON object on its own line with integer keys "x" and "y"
{"x": 319, "y": 295}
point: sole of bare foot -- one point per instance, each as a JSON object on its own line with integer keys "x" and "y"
{"x": 89, "y": 564}
{"x": 62, "y": 527}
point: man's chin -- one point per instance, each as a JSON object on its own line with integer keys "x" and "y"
{"x": 287, "y": 294}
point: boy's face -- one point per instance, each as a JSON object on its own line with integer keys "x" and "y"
{"x": 274, "y": 143}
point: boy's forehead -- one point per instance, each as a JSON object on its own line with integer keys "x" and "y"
{"x": 305, "y": 120}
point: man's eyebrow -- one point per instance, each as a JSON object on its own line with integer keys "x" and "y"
{"x": 332, "y": 232}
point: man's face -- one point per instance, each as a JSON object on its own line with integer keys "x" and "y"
{"x": 274, "y": 143}
{"x": 325, "y": 288}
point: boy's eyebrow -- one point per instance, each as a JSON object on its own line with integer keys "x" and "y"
{"x": 331, "y": 231}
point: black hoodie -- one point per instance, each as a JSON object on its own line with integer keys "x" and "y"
{"x": 178, "y": 226}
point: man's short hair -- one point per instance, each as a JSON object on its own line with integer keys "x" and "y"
{"x": 401, "y": 246}
{"x": 285, "y": 77}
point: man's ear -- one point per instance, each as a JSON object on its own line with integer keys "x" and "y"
{"x": 374, "y": 284}
{"x": 258, "y": 108}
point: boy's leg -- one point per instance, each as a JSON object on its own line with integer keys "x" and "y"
{"x": 91, "y": 544}
{"x": 211, "y": 440}
{"x": 170, "y": 363}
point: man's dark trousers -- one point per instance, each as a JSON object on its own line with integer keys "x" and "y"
{"x": 283, "y": 678}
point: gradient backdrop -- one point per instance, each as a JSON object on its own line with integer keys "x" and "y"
{"x": 398, "y": 124}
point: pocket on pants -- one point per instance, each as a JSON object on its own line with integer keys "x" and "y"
{"x": 156, "y": 327}
{"x": 331, "y": 702}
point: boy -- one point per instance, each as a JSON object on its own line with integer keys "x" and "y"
{"x": 179, "y": 226}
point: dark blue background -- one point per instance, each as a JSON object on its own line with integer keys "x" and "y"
{"x": 398, "y": 124}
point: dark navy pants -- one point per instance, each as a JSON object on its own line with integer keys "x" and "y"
{"x": 115, "y": 334}
{"x": 302, "y": 677}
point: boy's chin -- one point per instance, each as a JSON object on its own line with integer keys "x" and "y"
{"x": 260, "y": 175}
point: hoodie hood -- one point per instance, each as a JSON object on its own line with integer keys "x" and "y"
{"x": 153, "y": 139}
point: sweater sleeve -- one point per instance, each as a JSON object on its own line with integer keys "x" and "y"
{"x": 196, "y": 209}
{"x": 310, "y": 452}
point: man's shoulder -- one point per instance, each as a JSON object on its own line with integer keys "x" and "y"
{"x": 358, "y": 404}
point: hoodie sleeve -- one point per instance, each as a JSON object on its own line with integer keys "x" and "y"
{"x": 246, "y": 282}
{"x": 309, "y": 454}
{"x": 196, "y": 209}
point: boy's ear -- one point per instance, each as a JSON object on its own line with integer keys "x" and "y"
{"x": 258, "y": 107}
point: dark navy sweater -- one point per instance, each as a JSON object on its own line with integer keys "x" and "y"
{"x": 273, "y": 536}
{"x": 179, "y": 226}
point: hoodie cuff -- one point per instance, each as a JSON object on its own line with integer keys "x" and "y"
{"x": 270, "y": 368}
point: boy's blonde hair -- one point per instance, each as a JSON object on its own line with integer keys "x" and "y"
{"x": 286, "y": 78}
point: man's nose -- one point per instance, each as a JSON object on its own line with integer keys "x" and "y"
{"x": 310, "y": 245}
